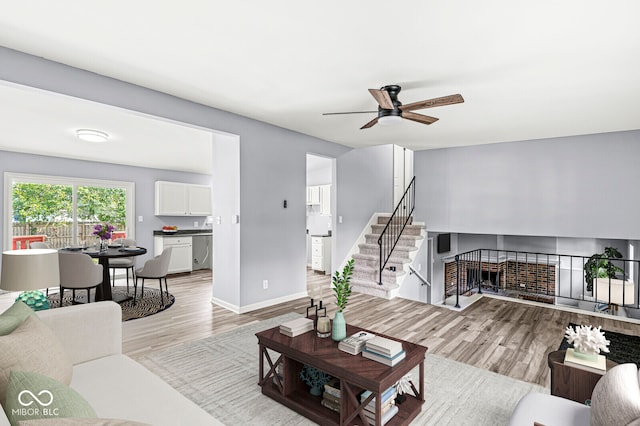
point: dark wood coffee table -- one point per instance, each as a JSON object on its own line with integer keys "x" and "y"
{"x": 355, "y": 372}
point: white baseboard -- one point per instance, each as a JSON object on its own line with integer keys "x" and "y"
{"x": 255, "y": 306}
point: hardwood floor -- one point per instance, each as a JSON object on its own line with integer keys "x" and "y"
{"x": 506, "y": 337}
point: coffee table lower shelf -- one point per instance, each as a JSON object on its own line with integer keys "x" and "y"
{"x": 311, "y": 407}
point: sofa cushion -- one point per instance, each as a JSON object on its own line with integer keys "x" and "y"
{"x": 14, "y": 316}
{"x": 33, "y": 347}
{"x": 35, "y": 396}
{"x": 616, "y": 398}
{"x": 117, "y": 386}
{"x": 548, "y": 410}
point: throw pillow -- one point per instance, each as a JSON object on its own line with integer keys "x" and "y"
{"x": 14, "y": 316}
{"x": 33, "y": 347}
{"x": 34, "y": 396}
{"x": 616, "y": 398}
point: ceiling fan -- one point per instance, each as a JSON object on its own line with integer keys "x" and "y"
{"x": 391, "y": 110}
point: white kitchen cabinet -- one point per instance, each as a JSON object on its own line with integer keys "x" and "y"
{"x": 182, "y": 199}
{"x": 313, "y": 195}
{"x": 321, "y": 254}
{"x": 325, "y": 200}
{"x": 181, "y": 252}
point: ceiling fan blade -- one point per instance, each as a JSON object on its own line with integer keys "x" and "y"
{"x": 349, "y": 112}
{"x": 382, "y": 97}
{"x": 424, "y": 119}
{"x": 370, "y": 124}
{"x": 435, "y": 102}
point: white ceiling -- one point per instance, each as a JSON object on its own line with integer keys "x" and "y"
{"x": 527, "y": 69}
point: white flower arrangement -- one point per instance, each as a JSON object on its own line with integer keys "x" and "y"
{"x": 587, "y": 339}
{"x": 404, "y": 384}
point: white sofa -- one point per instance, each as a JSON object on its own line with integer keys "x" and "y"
{"x": 115, "y": 385}
{"x": 615, "y": 401}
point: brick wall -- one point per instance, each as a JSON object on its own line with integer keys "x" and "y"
{"x": 529, "y": 281}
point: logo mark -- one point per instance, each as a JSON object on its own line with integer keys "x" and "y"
{"x": 35, "y": 398}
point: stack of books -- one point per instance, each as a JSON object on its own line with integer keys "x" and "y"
{"x": 386, "y": 351}
{"x": 389, "y": 407}
{"x": 296, "y": 327}
{"x": 598, "y": 365}
{"x": 354, "y": 344}
{"x": 331, "y": 395}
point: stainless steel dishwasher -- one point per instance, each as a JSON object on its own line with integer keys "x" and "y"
{"x": 202, "y": 251}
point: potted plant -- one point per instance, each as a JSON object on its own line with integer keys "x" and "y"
{"x": 342, "y": 289}
{"x": 599, "y": 266}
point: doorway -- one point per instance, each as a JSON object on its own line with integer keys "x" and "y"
{"x": 320, "y": 213}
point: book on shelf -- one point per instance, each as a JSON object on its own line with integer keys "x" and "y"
{"x": 333, "y": 387}
{"x": 386, "y": 395}
{"x": 334, "y": 406}
{"x": 329, "y": 397}
{"x": 354, "y": 343}
{"x": 296, "y": 327}
{"x": 383, "y": 346}
{"x": 386, "y": 405}
{"x": 599, "y": 365}
{"x": 389, "y": 361}
{"x": 385, "y": 416}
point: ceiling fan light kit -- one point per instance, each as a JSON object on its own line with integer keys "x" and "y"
{"x": 89, "y": 135}
{"x": 391, "y": 111}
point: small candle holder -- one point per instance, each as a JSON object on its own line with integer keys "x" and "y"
{"x": 323, "y": 329}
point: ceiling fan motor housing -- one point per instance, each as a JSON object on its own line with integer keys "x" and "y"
{"x": 393, "y": 91}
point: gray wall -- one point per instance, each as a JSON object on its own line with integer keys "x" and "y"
{"x": 144, "y": 179}
{"x": 272, "y": 168}
{"x": 579, "y": 187}
{"x": 365, "y": 186}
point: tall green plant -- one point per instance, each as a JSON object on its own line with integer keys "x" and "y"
{"x": 599, "y": 266}
{"x": 341, "y": 285}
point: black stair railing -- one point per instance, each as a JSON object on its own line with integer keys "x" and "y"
{"x": 397, "y": 222}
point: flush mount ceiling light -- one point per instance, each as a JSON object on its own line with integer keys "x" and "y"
{"x": 89, "y": 135}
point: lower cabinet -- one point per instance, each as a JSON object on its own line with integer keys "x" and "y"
{"x": 181, "y": 253}
{"x": 321, "y": 254}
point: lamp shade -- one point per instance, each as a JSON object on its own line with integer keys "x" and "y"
{"x": 611, "y": 290}
{"x": 32, "y": 269}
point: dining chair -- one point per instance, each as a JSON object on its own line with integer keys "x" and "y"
{"x": 40, "y": 245}
{"x": 78, "y": 272}
{"x": 125, "y": 263}
{"x": 156, "y": 268}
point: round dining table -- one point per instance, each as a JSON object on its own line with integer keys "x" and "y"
{"x": 103, "y": 291}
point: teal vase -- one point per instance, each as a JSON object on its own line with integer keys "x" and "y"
{"x": 339, "y": 327}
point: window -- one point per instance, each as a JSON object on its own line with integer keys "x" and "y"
{"x": 63, "y": 211}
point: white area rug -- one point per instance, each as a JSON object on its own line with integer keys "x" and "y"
{"x": 220, "y": 374}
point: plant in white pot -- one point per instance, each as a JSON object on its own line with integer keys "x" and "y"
{"x": 342, "y": 289}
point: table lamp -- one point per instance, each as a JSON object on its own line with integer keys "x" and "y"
{"x": 611, "y": 291}
{"x": 29, "y": 271}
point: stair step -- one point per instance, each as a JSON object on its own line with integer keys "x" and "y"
{"x": 373, "y": 288}
{"x": 383, "y": 219}
{"x": 405, "y": 240}
{"x": 408, "y": 230}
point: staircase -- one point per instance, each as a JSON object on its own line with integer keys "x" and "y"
{"x": 367, "y": 260}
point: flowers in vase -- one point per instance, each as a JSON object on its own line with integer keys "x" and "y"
{"x": 103, "y": 231}
{"x": 587, "y": 339}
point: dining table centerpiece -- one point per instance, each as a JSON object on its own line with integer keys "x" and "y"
{"x": 103, "y": 232}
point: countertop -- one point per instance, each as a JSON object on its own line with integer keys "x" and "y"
{"x": 184, "y": 232}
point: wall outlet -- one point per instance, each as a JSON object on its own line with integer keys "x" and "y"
{"x": 140, "y": 218}
{"x": 195, "y": 224}
{"x": 265, "y": 284}
{"x": 419, "y": 266}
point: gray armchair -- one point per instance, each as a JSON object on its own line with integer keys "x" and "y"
{"x": 156, "y": 268}
{"x": 78, "y": 272}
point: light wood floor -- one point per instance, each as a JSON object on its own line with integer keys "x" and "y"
{"x": 506, "y": 337}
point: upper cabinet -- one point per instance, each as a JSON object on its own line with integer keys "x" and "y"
{"x": 182, "y": 199}
{"x": 320, "y": 195}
